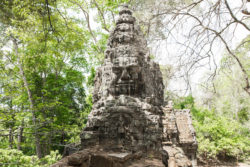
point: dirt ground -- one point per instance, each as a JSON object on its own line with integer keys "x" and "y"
{"x": 244, "y": 165}
{"x": 239, "y": 165}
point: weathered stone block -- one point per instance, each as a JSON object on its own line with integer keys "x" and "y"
{"x": 75, "y": 159}
{"x": 100, "y": 161}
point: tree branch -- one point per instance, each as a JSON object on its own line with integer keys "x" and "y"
{"x": 233, "y": 16}
{"x": 218, "y": 34}
{"x": 86, "y": 14}
{"x": 102, "y": 15}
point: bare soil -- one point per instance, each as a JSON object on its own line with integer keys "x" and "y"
{"x": 226, "y": 165}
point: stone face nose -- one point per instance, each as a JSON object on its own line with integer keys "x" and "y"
{"x": 125, "y": 75}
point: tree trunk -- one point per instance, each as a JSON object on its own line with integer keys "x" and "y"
{"x": 10, "y": 137}
{"x": 32, "y": 105}
{"x": 20, "y": 136}
{"x": 11, "y": 126}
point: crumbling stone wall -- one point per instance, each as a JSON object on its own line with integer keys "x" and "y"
{"x": 179, "y": 138}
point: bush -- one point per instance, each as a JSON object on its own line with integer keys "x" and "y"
{"x": 221, "y": 136}
{"x": 217, "y": 135}
{"x": 14, "y": 158}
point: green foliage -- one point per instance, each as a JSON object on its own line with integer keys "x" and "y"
{"x": 221, "y": 136}
{"x": 48, "y": 58}
{"x": 230, "y": 95}
{"x": 186, "y": 102}
{"x": 91, "y": 77}
{"x": 222, "y": 120}
{"x": 243, "y": 115}
{"x": 217, "y": 135}
{"x": 14, "y": 158}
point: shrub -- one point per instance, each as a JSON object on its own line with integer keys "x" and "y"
{"x": 217, "y": 134}
{"x": 14, "y": 158}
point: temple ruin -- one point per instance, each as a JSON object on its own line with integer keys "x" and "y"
{"x": 129, "y": 125}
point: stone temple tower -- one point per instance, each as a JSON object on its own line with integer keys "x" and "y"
{"x": 128, "y": 124}
{"x": 128, "y": 93}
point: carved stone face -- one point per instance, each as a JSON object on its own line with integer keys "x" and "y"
{"x": 125, "y": 18}
{"x": 127, "y": 71}
{"x": 123, "y": 37}
{"x": 126, "y": 79}
{"x": 127, "y": 76}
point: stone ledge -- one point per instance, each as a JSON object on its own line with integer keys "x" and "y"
{"x": 98, "y": 158}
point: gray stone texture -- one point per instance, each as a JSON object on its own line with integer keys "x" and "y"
{"x": 179, "y": 138}
{"x": 128, "y": 93}
{"x": 128, "y": 123}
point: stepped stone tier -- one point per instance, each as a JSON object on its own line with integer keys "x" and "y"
{"x": 128, "y": 125}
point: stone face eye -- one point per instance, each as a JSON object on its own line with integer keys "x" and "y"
{"x": 134, "y": 69}
{"x": 117, "y": 70}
